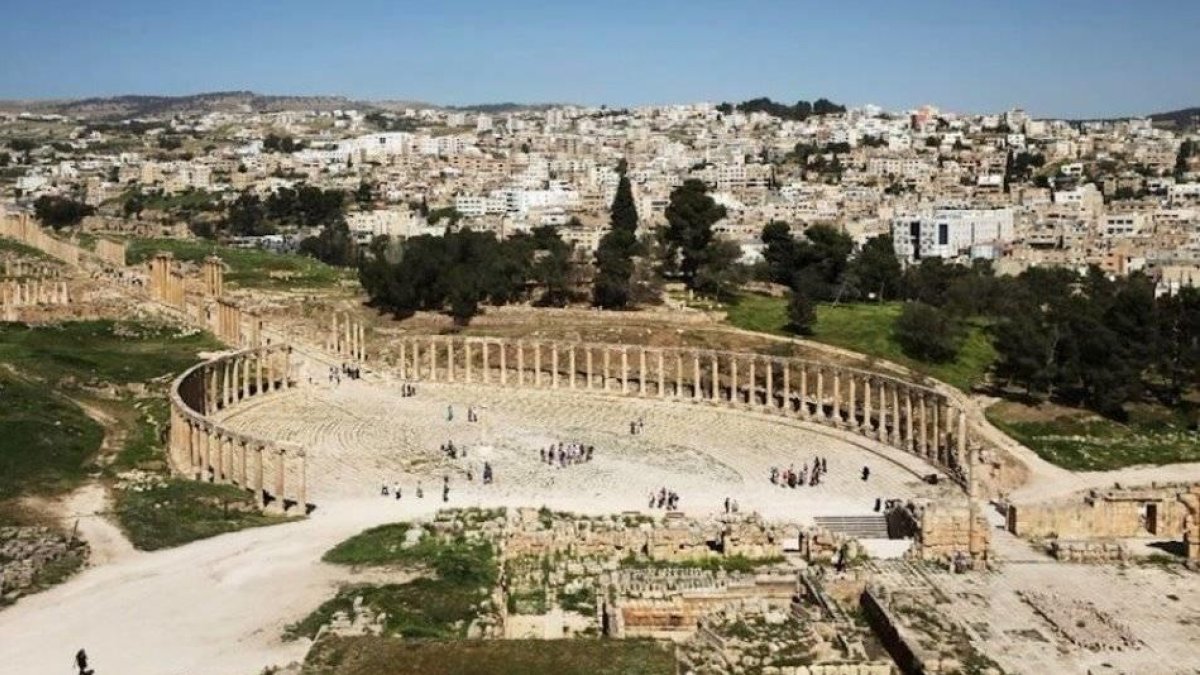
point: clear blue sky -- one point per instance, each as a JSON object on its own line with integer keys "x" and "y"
{"x": 1054, "y": 57}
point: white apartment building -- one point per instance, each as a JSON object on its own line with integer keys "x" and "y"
{"x": 949, "y": 233}
{"x": 1115, "y": 225}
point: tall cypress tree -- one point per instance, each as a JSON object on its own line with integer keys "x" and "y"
{"x": 614, "y": 256}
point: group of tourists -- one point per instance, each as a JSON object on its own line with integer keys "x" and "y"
{"x": 452, "y": 451}
{"x": 397, "y": 492}
{"x": 408, "y": 390}
{"x": 731, "y": 505}
{"x": 791, "y": 478}
{"x": 472, "y": 416}
{"x": 637, "y": 427}
{"x": 567, "y": 453}
{"x": 664, "y": 498}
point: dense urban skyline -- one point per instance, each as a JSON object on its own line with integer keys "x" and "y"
{"x": 1068, "y": 59}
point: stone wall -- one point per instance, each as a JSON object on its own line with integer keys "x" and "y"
{"x": 1106, "y": 514}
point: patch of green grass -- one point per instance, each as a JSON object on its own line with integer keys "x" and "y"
{"x": 13, "y": 246}
{"x": 460, "y": 560}
{"x": 247, "y": 268}
{"x": 114, "y": 352}
{"x": 1086, "y": 442}
{"x": 384, "y": 656}
{"x": 184, "y": 511}
{"x": 381, "y": 545}
{"x": 582, "y": 600}
{"x": 47, "y": 441}
{"x": 144, "y": 444}
{"x": 867, "y": 329}
{"x": 423, "y": 608}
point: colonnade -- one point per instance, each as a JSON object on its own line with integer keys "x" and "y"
{"x": 346, "y": 338}
{"x": 166, "y": 282}
{"x": 214, "y": 276}
{"x": 911, "y": 417}
{"x": 204, "y": 449}
{"x": 30, "y": 292}
{"x": 17, "y": 267}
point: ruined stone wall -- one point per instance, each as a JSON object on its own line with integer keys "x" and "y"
{"x": 943, "y": 532}
{"x": 1111, "y": 514}
{"x": 111, "y": 252}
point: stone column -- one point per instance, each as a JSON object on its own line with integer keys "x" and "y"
{"x": 246, "y": 379}
{"x": 259, "y": 485}
{"x": 537, "y": 364}
{"x": 787, "y": 385}
{"x": 662, "y": 374}
{"x": 258, "y": 371}
{"x": 770, "y": 400}
{"x": 866, "y": 425}
{"x": 960, "y": 440}
{"x": 432, "y": 360}
{"x": 571, "y": 365}
{"x": 641, "y": 371}
{"x": 894, "y": 437}
{"x": 280, "y": 473}
{"x": 716, "y": 379}
{"x": 837, "y": 396}
{"x": 588, "y": 358}
{"x": 520, "y": 363}
{"x": 696, "y": 389}
{"x": 416, "y": 359}
{"x": 554, "y": 365}
{"x": 935, "y": 450}
{"x": 302, "y": 493}
{"x": 733, "y": 380}
{"x": 851, "y": 403}
{"x": 909, "y": 441}
{"x": 678, "y": 374}
{"x": 606, "y": 360}
{"x": 243, "y": 469}
{"x": 486, "y": 347}
{"x": 467, "y": 361}
{"x": 820, "y": 394}
{"x": 624, "y": 370}
{"x": 450, "y": 359}
{"x": 751, "y": 389}
{"x": 503, "y": 364}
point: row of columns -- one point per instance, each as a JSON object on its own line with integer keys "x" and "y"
{"x": 17, "y": 267}
{"x": 203, "y": 449}
{"x": 913, "y": 418}
{"x": 245, "y": 374}
{"x": 34, "y": 292}
{"x": 227, "y": 322}
{"x": 347, "y": 338}
{"x": 213, "y": 273}
{"x": 166, "y": 282}
{"x": 271, "y": 471}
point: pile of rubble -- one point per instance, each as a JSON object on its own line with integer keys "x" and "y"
{"x": 34, "y": 557}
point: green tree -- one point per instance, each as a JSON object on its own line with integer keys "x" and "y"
{"x": 59, "y": 212}
{"x": 877, "y": 268}
{"x": 801, "y": 312}
{"x": 928, "y": 334}
{"x": 615, "y": 253}
{"x": 365, "y": 194}
{"x": 691, "y": 213}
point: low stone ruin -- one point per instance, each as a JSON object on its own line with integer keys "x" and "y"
{"x": 29, "y": 556}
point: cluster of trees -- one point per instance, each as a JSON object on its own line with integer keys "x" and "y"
{"x": 305, "y": 206}
{"x": 1083, "y": 339}
{"x": 59, "y": 212}
{"x": 818, "y": 267}
{"x": 802, "y": 110}
{"x": 284, "y": 144}
{"x": 461, "y": 271}
{"x": 1187, "y": 150}
{"x": 612, "y": 286}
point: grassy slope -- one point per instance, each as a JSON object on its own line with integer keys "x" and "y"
{"x": 47, "y": 441}
{"x": 184, "y": 511}
{"x": 1082, "y": 441}
{"x": 867, "y": 328}
{"x": 108, "y": 351}
{"x": 382, "y": 656}
{"x": 248, "y": 268}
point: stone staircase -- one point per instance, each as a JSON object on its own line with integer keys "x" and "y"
{"x": 872, "y": 526}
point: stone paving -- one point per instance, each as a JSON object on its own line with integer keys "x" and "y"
{"x": 1140, "y": 619}
{"x": 361, "y": 435}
